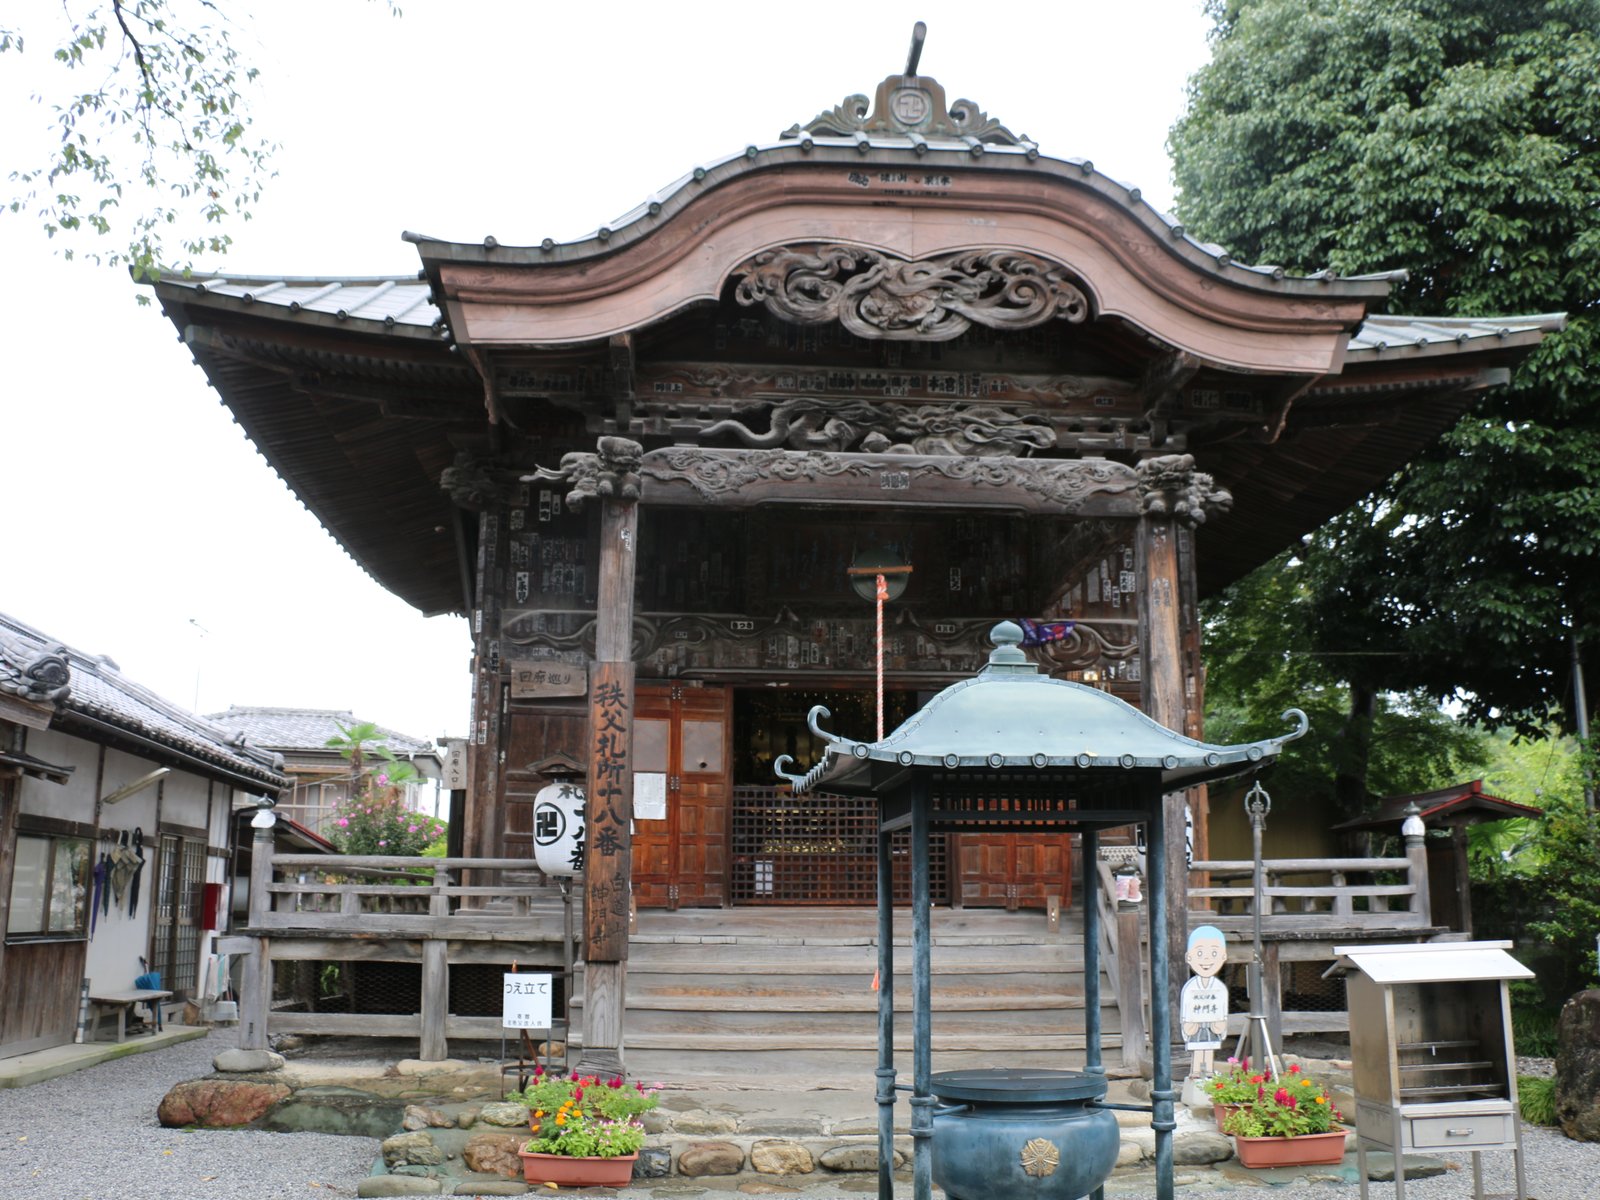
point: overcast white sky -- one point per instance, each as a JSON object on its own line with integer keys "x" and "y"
{"x": 134, "y": 513}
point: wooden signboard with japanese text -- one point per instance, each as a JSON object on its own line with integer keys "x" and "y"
{"x": 610, "y": 811}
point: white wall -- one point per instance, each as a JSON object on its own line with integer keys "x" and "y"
{"x": 70, "y": 801}
{"x": 118, "y": 939}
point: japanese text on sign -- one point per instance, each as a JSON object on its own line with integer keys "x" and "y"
{"x": 526, "y": 1002}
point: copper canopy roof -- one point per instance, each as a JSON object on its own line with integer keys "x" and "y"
{"x": 1009, "y": 716}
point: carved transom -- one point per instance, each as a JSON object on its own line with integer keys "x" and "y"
{"x": 874, "y": 295}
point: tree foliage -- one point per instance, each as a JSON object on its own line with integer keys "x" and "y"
{"x": 1459, "y": 139}
{"x": 156, "y": 140}
{"x": 1262, "y": 657}
{"x": 153, "y": 146}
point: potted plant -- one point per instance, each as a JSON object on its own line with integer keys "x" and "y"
{"x": 1235, "y": 1089}
{"x": 586, "y": 1130}
{"x": 1290, "y": 1125}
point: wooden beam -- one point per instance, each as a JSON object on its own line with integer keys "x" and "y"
{"x": 1164, "y": 380}
{"x": 607, "y": 875}
{"x": 699, "y": 478}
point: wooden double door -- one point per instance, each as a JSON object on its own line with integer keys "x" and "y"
{"x": 1016, "y": 870}
{"x": 683, "y": 736}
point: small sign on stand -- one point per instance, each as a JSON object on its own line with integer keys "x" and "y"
{"x": 527, "y": 1001}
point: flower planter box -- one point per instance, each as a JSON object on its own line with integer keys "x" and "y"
{"x": 1304, "y": 1150}
{"x": 1222, "y": 1112}
{"x": 568, "y": 1171}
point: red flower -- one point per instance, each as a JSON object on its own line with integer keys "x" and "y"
{"x": 1281, "y": 1096}
{"x": 1258, "y": 1079}
{"x": 577, "y": 1094}
{"x": 1294, "y": 1068}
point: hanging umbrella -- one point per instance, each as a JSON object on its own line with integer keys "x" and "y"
{"x": 124, "y": 865}
{"x": 138, "y": 851}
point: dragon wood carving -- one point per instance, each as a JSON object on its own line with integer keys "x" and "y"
{"x": 838, "y": 425}
{"x": 933, "y": 300}
{"x": 717, "y": 476}
{"x": 1169, "y": 486}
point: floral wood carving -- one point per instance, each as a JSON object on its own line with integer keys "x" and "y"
{"x": 721, "y": 476}
{"x": 613, "y": 470}
{"x": 933, "y": 299}
{"x": 42, "y": 677}
{"x": 1169, "y": 486}
{"x": 962, "y": 429}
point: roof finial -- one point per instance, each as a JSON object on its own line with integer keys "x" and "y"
{"x": 919, "y": 34}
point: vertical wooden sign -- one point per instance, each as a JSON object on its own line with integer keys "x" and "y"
{"x": 607, "y": 860}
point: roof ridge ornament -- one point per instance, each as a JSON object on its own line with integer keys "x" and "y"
{"x": 914, "y": 106}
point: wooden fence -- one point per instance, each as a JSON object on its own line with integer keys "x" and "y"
{"x": 354, "y": 908}
{"x": 1309, "y": 905}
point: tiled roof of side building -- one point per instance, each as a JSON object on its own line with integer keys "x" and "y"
{"x": 100, "y": 694}
{"x": 285, "y": 729}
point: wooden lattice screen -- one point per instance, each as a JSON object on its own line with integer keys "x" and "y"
{"x": 817, "y": 849}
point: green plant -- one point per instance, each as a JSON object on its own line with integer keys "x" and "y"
{"x": 1537, "y": 1097}
{"x": 1296, "y": 1105}
{"x": 1240, "y": 1085}
{"x": 585, "y": 1116}
{"x": 374, "y": 819}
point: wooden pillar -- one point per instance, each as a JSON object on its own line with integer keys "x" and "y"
{"x": 1174, "y": 497}
{"x": 255, "y": 990}
{"x": 607, "y": 874}
{"x": 482, "y": 839}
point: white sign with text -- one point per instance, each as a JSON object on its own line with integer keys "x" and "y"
{"x": 527, "y": 1001}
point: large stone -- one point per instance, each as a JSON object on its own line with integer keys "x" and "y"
{"x": 1200, "y": 1148}
{"x": 861, "y": 1156}
{"x": 1380, "y": 1166}
{"x": 655, "y": 1162}
{"x": 710, "y": 1158}
{"x": 236, "y": 1060}
{"x": 219, "y": 1103}
{"x": 701, "y": 1121}
{"x": 418, "y": 1116}
{"x": 1129, "y": 1154}
{"x": 1578, "y": 1067}
{"x": 397, "y": 1185}
{"x": 504, "y": 1187}
{"x": 494, "y": 1153}
{"x": 778, "y": 1157}
{"x": 343, "y": 1111}
{"x": 504, "y": 1113}
{"x": 411, "y": 1149}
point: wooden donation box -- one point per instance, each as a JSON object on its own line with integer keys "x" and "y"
{"x": 1431, "y": 1047}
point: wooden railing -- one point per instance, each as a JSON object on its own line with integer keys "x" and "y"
{"x": 353, "y": 908}
{"x": 1306, "y": 893}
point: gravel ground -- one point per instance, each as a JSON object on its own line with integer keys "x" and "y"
{"x": 93, "y": 1135}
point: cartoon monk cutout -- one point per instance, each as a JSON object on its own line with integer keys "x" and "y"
{"x": 1203, "y": 1003}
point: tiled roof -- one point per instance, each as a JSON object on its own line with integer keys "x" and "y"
{"x": 100, "y": 693}
{"x": 287, "y": 729}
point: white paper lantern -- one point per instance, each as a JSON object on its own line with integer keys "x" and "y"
{"x": 558, "y": 840}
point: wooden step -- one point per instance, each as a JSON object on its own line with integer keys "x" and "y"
{"x": 960, "y": 991}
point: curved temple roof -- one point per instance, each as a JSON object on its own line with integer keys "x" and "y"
{"x": 1010, "y": 716}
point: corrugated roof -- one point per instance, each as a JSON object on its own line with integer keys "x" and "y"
{"x": 101, "y": 692}
{"x": 306, "y": 728}
{"x": 398, "y": 303}
{"x": 1402, "y": 335}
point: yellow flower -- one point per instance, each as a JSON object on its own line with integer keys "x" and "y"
{"x": 1305, "y": 1083}
{"x": 561, "y": 1118}
{"x": 538, "y": 1112}
{"x": 1322, "y": 1099}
